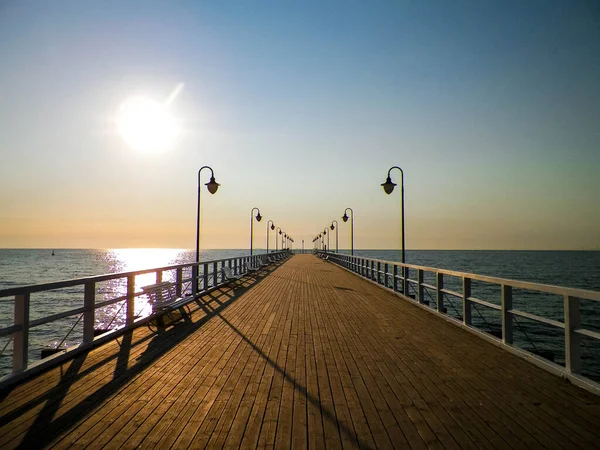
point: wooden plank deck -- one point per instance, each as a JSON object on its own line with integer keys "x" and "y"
{"x": 307, "y": 355}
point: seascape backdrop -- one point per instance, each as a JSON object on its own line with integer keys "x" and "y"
{"x": 576, "y": 269}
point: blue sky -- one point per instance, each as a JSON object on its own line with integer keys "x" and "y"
{"x": 492, "y": 109}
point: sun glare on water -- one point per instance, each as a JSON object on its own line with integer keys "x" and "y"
{"x": 146, "y": 125}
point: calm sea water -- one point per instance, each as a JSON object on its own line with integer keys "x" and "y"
{"x": 577, "y": 269}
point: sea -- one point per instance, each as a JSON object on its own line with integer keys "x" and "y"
{"x": 575, "y": 269}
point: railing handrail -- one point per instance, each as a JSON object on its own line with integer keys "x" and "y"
{"x": 31, "y": 288}
{"x": 379, "y": 272}
{"x": 548, "y": 288}
{"x": 21, "y": 296}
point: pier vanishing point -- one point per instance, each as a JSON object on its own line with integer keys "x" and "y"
{"x": 302, "y": 354}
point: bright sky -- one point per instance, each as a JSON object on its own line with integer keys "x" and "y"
{"x": 492, "y": 109}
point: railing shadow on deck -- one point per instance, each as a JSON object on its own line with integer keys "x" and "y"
{"x": 45, "y": 428}
{"x": 302, "y": 390}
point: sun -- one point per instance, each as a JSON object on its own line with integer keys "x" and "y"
{"x": 146, "y": 125}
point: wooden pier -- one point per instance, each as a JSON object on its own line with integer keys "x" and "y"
{"x": 304, "y": 355}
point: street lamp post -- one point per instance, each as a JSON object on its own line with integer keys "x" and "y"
{"x": 277, "y": 239}
{"x": 258, "y": 219}
{"x": 345, "y": 219}
{"x": 388, "y": 187}
{"x": 326, "y": 234}
{"x": 212, "y": 187}
{"x": 336, "y": 234}
{"x": 272, "y": 228}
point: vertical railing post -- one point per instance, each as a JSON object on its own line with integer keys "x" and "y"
{"x": 572, "y": 339}
{"x": 178, "y": 281}
{"x": 507, "y": 323}
{"x": 215, "y": 274}
{"x": 195, "y": 270}
{"x": 395, "y": 278}
{"x": 21, "y": 337}
{"x": 130, "y": 313}
{"x": 378, "y": 265}
{"x": 420, "y": 288}
{"x": 440, "y": 294}
{"x": 205, "y": 276}
{"x": 372, "y": 270}
{"x": 235, "y": 266}
{"x": 405, "y": 281}
{"x": 385, "y": 274}
{"x": 466, "y": 306}
{"x": 89, "y": 303}
{"x": 159, "y": 276}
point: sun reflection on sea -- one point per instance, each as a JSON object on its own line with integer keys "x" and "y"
{"x": 130, "y": 260}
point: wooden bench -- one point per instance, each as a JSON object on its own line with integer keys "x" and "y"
{"x": 165, "y": 302}
{"x": 253, "y": 267}
{"x": 227, "y": 275}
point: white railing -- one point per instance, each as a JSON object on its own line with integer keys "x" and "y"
{"x": 121, "y": 296}
{"x": 437, "y": 290}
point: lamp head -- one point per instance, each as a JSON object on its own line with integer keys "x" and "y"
{"x": 388, "y": 186}
{"x": 345, "y": 217}
{"x": 279, "y": 231}
{"x": 272, "y": 227}
{"x": 258, "y": 217}
{"x": 332, "y": 226}
{"x": 324, "y": 231}
{"x": 212, "y": 185}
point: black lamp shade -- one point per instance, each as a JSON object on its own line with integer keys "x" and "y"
{"x": 388, "y": 186}
{"x": 212, "y": 185}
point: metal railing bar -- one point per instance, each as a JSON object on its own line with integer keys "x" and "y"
{"x": 452, "y": 293}
{"x": 588, "y": 333}
{"x": 534, "y": 317}
{"x": 112, "y": 301}
{"x": 28, "y": 289}
{"x": 52, "y": 318}
{"x": 551, "y": 289}
{"x": 484, "y": 303}
{"x": 8, "y": 331}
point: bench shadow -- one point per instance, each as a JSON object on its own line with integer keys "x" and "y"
{"x": 46, "y": 428}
